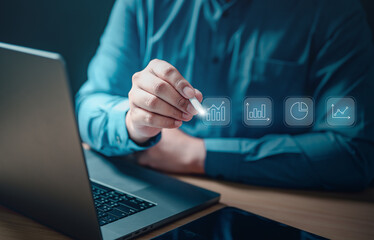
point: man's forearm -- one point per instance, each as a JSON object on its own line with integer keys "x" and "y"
{"x": 286, "y": 161}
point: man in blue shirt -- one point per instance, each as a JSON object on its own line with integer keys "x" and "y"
{"x": 154, "y": 55}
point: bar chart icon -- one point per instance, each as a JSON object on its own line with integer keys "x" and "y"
{"x": 217, "y": 111}
{"x": 257, "y": 114}
{"x": 257, "y": 111}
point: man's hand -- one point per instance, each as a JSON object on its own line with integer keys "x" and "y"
{"x": 158, "y": 99}
{"x": 176, "y": 152}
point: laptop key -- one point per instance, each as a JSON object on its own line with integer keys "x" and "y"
{"x": 102, "y": 222}
{"x": 97, "y": 205}
{"x": 112, "y": 204}
{"x": 115, "y": 198}
{"x": 109, "y": 218}
{"x": 131, "y": 205}
{"x": 102, "y": 200}
{"x": 105, "y": 208}
{"x": 101, "y": 214}
{"x": 125, "y": 209}
{"x": 118, "y": 213}
{"x": 146, "y": 204}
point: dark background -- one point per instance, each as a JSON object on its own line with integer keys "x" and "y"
{"x": 69, "y": 27}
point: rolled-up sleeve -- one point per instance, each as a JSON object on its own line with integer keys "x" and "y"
{"x": 102, "y": 103}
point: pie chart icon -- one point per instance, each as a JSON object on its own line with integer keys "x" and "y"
{"x": 299, "y": 110}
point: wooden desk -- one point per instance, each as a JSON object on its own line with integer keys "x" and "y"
{"x": 332, "y": 215}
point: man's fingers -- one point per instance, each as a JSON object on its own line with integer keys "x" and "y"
{"x": 199, "y": 95}
{"x": 169, "y": 73}
{"x": 155, "y": 104}
{"x": 162, "y": 89}
{"x": 150, "y": 119}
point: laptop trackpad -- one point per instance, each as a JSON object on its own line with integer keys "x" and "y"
{"x": 114, "y": 172}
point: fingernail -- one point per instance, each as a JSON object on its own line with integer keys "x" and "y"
{"x": 186, "y": 115}
{"x": 189, "y": 92}
{"x": 191, "y": 109}
{"x": 177, "y": 123}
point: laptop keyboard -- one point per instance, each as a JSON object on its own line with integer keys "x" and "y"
{"x": 112, "y": 205}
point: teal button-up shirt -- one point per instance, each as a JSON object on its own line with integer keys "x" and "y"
{"x": 239, "y": 49}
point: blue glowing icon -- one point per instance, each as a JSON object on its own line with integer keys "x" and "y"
{"x": 257, "y": 111}
{"x": 341, "y": 111}
{"x": 299, "y": 112}
{"x": 217, "y": 111}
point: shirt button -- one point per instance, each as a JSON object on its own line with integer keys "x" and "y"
{"x": 118, "y": 140}
{"x": 215, "y": 60}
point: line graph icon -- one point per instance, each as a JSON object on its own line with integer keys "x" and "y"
{"x": 218, "y": 111}
{"x": 341, "y": 111}
{"x": 257, "y": 111}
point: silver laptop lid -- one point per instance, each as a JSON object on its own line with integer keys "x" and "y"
{"x": 42, "y": 170}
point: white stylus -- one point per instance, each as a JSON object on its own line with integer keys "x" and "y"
{"x": 197, "y": 105}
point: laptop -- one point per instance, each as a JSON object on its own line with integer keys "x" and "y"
{"x": 47, "y": 175}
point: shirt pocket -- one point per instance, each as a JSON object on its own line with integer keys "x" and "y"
{"x": 277, "y": 78}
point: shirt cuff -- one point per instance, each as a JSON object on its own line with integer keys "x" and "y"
{"x": 118, "y": 135}
{"x": 220, "y": 162}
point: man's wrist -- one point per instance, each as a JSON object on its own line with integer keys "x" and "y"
{"x": 198, "y": 160}
{"x": 131, "y": 132}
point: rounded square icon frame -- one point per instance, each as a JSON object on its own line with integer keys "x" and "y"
{"x": 354, "y": 113}
{"x": 229, "y": 113}
{"x": 285, "y": 112}
{"x": 244, "y": 112}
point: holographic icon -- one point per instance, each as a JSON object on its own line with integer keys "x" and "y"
{"x": 257, "y": 111}
{"x": 299, "y": 111}
{"x": 217, "y": 111}
{"x": 341, "y": 111}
